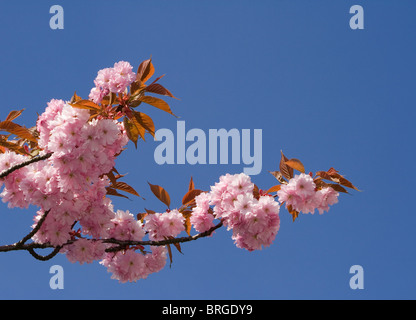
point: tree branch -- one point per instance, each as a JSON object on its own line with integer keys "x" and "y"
{"x": 5, "y": 173}
{"x": 122, "y": 244}
{"x": 34, "y": 230}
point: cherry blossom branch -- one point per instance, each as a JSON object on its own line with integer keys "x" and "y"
{"x": 122, "y": 244}
{"x": 24, "y": 164}
{"x": 44, "y": 258}
{"x": 34, "y": 230}
{"x": 21, "y": 245}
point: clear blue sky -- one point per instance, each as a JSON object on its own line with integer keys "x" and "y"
{"x": 321, "y": 92}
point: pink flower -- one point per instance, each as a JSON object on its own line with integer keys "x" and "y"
{"x": 123, "y": 76}
{"x": 299, "y": 193}
{"x": 256, "y": 221}
{"x": 60, "y": 144}
{"x": 324, "y": 198}
{"x": 9, "y": 159}
{"x": 245, "y": 203}
{"x": 164, "y": 225}
{"x": 115, "y": 79}
{"x": 84, "y": 251}
{"x": 107, "y": 131}
{"x": 104, "y": 77}
{"x": 126, "y": 266}
{"x": 268, "y": 205}
{"x": 241, "y": 184}
{"x": 201, "y": 219}
{"x": 156, "y": 261}
{"x": 96, "y": 94}
{"x": 124, "y": 69}
{"x": 202, "y": 201}
{"x": 304, "y": 185}
{"x": 126, "y": 227}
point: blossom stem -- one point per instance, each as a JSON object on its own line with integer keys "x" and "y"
{"x": 123, "y": 243}
{"x": 24, "y": 164}
{"x": 21, "y": 245}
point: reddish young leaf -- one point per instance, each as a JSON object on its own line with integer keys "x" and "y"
{"x": 13, "y": 146}
{"x": 274, "y": 188}
{"x": 109, "y": 99}
{"x": 337, "y": 187}
{"x": 131, "y": 130}
{"x": 324, "y": 175}
{"x": 320, "y": 183}
{"x": 190, "y": 196}
{"x": 124, "y": 187}
{"x": 158, "y": 78}
{"x": 149, "y": 211}
{"x": 141, "y": 216}
{"x": 278, "y": 175}
{"x": 145, "y": 71}
{"x": 160, "y": 193}
{"x": 136, "y": 87}
{"x": 140, "y": 129}
{"x": 170, "y": 254}
{"x": 191, "y": 185}
{"x": 347, "y": 183}
{"x": 332, "y": 171}
{"x": 334, "y": 176}
{"x": 145, "y": 122}
{"x": 85, "y": 104}
{"x": 286, "y": 171}
{"x": 75, "y": 98}
{"x": 296, "y": 164}
{"x": 256, "y": 192}
{"x": 293, "y": 212}
{"x": 13, "y": 115}
{"x": 158, "y": 103}
{"x": 176, "y": 244}
{"x": 159, "y": 89}
{"x": 187, "y": 215}
{"x": 114, "y": 192}
{"x": 17, "y": 130}
{"x": 110, "y": 175}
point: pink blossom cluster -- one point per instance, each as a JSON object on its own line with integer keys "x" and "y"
{"x": 201, "y": 219}
{"x": 255, "y": 222}
{"x": 161, "y": 226}
{"x": 82, "y": 151}
{"x": 301, "y": 194}
{"x": 130, "y": 265}
{"x": 70, "y": 186}
{"x": 115, "y": 79}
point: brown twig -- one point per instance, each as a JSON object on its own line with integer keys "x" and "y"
{"x": 123, "y": 243}
{"x": 5, "y": 173}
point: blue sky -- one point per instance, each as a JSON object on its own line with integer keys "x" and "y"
{"x": 321, "y": 92}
